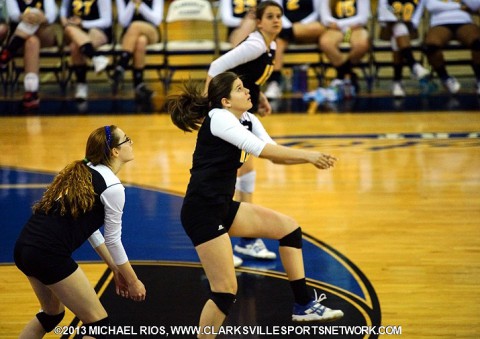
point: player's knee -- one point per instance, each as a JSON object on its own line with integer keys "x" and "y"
{"x": 97, "y": 329}
{"x": 27, "y": 28}
{"x": 400, "y": 29}
{"x": 49, "y": 322}
{"x": 246, "y": 182}
{"x": 293, "y": 239}
{"x": 142, "y": 43}
{"x": 224, "y": 301}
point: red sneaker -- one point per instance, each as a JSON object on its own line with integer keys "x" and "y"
{"x": 5, "y": 57}
{"x": 31, "y": 100}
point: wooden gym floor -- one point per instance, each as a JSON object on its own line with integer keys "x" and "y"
{"x": 402, "y": 206}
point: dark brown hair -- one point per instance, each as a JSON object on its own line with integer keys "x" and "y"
{"x": 262, "y": 6}
{"x": 189, "y": 108}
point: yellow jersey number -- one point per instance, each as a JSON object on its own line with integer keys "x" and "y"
{"x": 242, "y": 6}
{"x": 292, "y": 5}
{"x": 404, "y": 11}
{"x": 82, "y": 8}
{"x": 345, "y": 9}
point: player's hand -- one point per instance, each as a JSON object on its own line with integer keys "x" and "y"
{"x": 121, "y": 286}
{"x": 323, "y": 161}
{"x": 75, "y": 20}
{"x": 137, "y": 291}
{"x": 264, "y": 107}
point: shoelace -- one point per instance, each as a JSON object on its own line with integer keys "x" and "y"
{"x": 318, "y": 307}
{"x": 320, "y": 298}
{"x": 259, "y": 245}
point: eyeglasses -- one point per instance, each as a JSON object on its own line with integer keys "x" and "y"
{"x": 127, "y": 139}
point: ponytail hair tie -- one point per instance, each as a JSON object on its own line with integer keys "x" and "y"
{"x": 85, "y": 160}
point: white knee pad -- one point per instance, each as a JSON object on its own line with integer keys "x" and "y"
{"x": 246, "y": 183}
{"x": 30, "y": 82}
{"x": 27, "y": 28}
{"x": 400, "y": 29}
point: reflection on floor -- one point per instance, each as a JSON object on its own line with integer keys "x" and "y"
{"x": 101, "y": 101}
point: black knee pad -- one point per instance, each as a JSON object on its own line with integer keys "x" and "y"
{"x": 224, "y": 301}
{"x": 98, "y": 329}
{"x": 476, "y": 46}
{"x": 49, "y": 322}
{"x": 293, "y": 239}
{"x": 430, "y": 49}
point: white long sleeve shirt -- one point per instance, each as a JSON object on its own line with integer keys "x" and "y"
{"x": 444, "y": 12}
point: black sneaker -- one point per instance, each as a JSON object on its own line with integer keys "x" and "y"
{"x": 31, "y": 100}
{"x": 117, "y": 79}
{"x": 142, "y": 93}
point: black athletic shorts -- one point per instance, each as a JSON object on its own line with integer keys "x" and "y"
{"x": 287, "y": 35}
{"x": 46, "y": 267}
{"x": 454, "y": 27}
{"x": 205, "y": 221}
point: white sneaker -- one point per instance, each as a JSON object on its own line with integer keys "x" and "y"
{"x": 237, "y": 261}
{"x": 273, "y": 91}
{"x": 336, "y": 83}
{"x": 256, "y": 249}
{"x": 419, "y": 72}
{"x": 100, "y": 62}
{"x": 81, "y": 91}
{"x": 452, "y": 85}
{"x": 397, "y": 89}
{"x": 478, "y": 88}
{"x": 315, "y": 311}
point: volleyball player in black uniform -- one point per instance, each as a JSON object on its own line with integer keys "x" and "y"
{"x": 88, "y": 25}
{"x": 300, "y": 25}
{"x": 210, "y": 215}
{"x": 399, "y": 21}
{"x": 346, "y": 21}
{"x": 253, "y": 58}
{"x": 253, "y": 61}
{"x": 30, "y": 28}
{"x": 84, "y": 196}
{"x": 450, "y": 20}
{"x": 140, "y": 20}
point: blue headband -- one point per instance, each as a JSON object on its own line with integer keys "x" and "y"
{"x": 108, "y": 134}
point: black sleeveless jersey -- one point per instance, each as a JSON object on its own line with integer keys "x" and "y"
{"x": 62, "y": 235}
{"x": 23, "y": 5}
{"x": 344, "y": 9}
{"x": 404, "y": 9}
{"x": 297, "y": 10}
{"x": 85, "y": 9}
{"x": 214, "y": 169}
{"x": 139, "y": 17}
{"x": 255, "y": 73}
